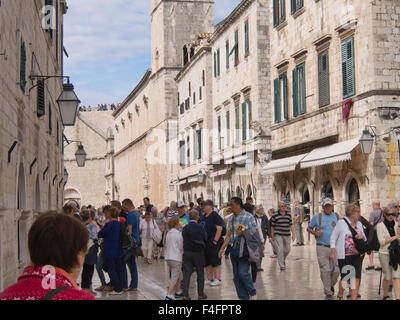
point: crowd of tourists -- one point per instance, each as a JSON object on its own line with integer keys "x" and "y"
{"x": 99, "y": 107}
{"x": 66, "y": 248}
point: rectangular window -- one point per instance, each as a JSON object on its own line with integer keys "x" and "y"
{"x": 215, "y": 64}
{"x": 22, "y": 70}
{"x": 227, "y": 54}
{"x": 244, "y": 121}
{"x": 50, "y": 119}
{"x": 199, "y": 148}
{"x": 188, "y": 149}
{"x": 279, "y": 12}
{"x": 348, "y": 68}
{"x": 299, "y": 90}
{"x": 195, "y": 146}
{"x": 295, "y": 5}
{"x": 194, "y": 98}
{"x": 182, "y": 108}
{"x": 246, "y": 37}
{"x": 182, "y": 152}
{"x": 323, "y": 79}
{"x": 219, "y": 133}
{"x": 204, "y": 78}
{"x": 187, "y": 104}
{"x": 201, "y": 93}
{"x": 218, "y": 63}
{"x": 249, "y": 118}
{"x": 281, "y": 98}
{"x": 228, "y": 129}
{"x": 236, "y": 48}
{"x": 237, "y": 124}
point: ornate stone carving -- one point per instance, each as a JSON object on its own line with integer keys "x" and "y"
{"x": 258, "y": 128}
{"x": 264, "y": 158}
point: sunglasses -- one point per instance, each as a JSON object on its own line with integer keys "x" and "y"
{"x": 390, "y": 214}
{"x": 396, "y": 206}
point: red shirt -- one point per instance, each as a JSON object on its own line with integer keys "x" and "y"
{"x": 30, "y": 286}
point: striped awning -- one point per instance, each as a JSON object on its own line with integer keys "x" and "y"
{"x": 326, "y": 155}
{"x": 284, "y": 165}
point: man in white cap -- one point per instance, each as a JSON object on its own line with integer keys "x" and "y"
{"x": 183, "y": 217}
{"x": 321, "y": 226}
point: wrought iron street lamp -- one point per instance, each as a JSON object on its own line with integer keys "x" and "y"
{"x": 68, "y": 103}
{"x": 80, "y": 156}
{"x": 171, "y": 186}
{"x": 366, "y": 142}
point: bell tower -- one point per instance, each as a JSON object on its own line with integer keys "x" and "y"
{"x": 175, "y": 23}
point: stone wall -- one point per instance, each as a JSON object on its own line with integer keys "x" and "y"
{"x": 35, "y": 183}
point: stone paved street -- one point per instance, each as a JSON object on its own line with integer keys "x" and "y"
{"x": 299, "y": 282}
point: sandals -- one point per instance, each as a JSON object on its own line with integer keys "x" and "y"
{"x": 386, "y": 298}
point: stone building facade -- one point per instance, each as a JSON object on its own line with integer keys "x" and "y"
{"x": 31, "y": 148}
{"x": 94, "y": 183}
{"x": 146, "y": 122}
{"x": 331, "y": 77}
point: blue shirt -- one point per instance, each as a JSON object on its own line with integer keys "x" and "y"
{"x": 133, "y": 220}
{"x": 244, "y": 218}
{"x": 110, "y": 233}
{"x": 328, "y": 223}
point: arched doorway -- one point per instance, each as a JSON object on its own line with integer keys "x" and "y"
{"x": 72, "y": 194}
{"x": 353, "y": 192}
{"x": 327, "y": 191}
{"x": 249, "y": 191}
{"x": 229, "y": 194}
{"x": 305, "y": 195}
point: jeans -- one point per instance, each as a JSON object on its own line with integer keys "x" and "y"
{"x": 87, "y": 275}
{"x": 117, "y": 271}
{"x": 242, "y": 278}
{"x": 193, "y": 260}
{"x": 99, "y": 268}
{"x": 133, "y": 271}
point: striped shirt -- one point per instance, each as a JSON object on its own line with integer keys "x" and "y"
{"x": 281, "y": 224}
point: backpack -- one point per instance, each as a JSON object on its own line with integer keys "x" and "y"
{"x": 126, "y": 241}
{"x": 373, "y": 237}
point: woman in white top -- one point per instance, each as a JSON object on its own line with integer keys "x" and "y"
{"x": 173, "y": 257}
{"x": 146, "y": 229}
{"x": 387, "y": 232}
{"x": 343, "y": 247}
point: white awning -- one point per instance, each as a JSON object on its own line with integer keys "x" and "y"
{"x": 219, "y": 173}
{"x": 193, "y": 179}
{"x": 284, "y": 165}
{"x": 334, "y": 153}
{"x": 184, "y": 181}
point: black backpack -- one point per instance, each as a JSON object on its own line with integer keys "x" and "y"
{"x": 126, "y": 242}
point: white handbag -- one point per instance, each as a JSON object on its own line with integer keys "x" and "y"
{"x": 157, "y": 235}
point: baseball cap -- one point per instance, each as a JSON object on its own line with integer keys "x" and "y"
{"x": 327, "y": 201}
{"x": 208, "y": 203}
{"x": 180, "y": 204}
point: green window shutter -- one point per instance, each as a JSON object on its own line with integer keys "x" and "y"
{"x": 246, "y": 37}
{"x": 302, "y": 88}
{"x": 285, "y": 96}
{"x": 227, "y": 54}
{"x": 41, "y": 98}
{"x": 215, "y": 64}
{"x": 218, "y": 62}
{"x": 293, "y": 6}
{"x": 244, "y": 121}
{"x": 22, "y": 80}
{"x": 348, "y": 68}
{"x": 295, "y": 94}
{"x": 282, "y": 15}
{"x": 50, "y": 119}
{"x": 237, "y": 126}
{"x": 236, "y": 47}
{"x": 219, "y": 133}
{"x": 228, "y": 129}
{"x": 276, "y": 12}
{"x": 249, "y": 117}
{"x": 199, "y": 150}
{"x": 277, "y": 103}
{"x": 323, "y": 79}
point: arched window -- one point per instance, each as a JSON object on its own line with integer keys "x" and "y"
{"x": 305, "y": 195}
{"x": 249, "y": 191}
{"x": 327, "y": 191}
{"x": 220, "y": 200}
{"x": 229, "y": 194}
{"x": 353, "y": 192}
{"x": 185, "y": 56}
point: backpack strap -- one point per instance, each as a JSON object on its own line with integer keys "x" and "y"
{"x": 52, "y": 293}
{"x": 320, "y": 218}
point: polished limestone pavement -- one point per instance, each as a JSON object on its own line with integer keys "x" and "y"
{"x": 300, "y": 281}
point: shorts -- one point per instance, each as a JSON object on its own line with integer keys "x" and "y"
{"x": 211, "y": 254}
{"x": 387, "y": 269}
{"x": 175, "y": 271}
{"x": 349, "y": 262}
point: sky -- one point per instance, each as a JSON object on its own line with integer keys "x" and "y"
{"x": 108, "y": 43}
